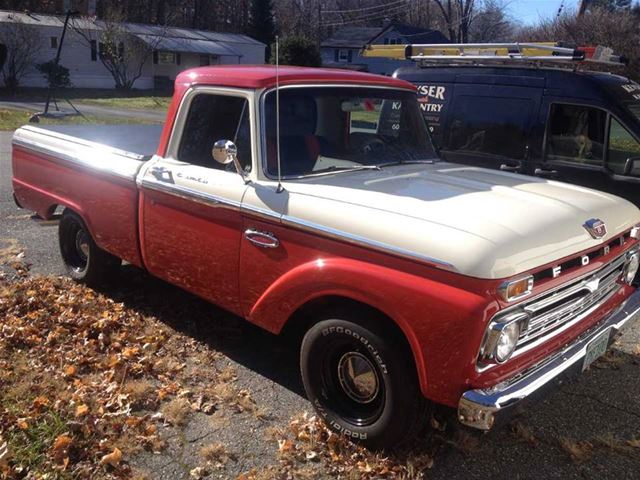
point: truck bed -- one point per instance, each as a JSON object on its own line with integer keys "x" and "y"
{"x": 90, "y": 169}
{"x": 139, "y": 140}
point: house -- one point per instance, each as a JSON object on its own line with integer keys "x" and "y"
{"x": 342, "y": 49}
{"x": 174, "y": 49}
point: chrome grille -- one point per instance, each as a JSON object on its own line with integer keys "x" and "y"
{"x": 551, "y": 311}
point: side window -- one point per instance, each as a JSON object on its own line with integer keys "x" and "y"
{"x": 489, "y": 125}
{"x": 212, "y": 118}
{"x": 622, "y": 146}
{"x": 576, "y": 134}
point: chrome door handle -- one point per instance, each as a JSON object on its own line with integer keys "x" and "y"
{"x": 545, "y": 173}
{"x": 261, "y": 239}
{"x": 509, "y": 168}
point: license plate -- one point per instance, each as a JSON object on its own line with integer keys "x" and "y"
{"x": 596, "y": 349}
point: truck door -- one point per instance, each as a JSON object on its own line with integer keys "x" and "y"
{"x": 190, "y": 207}
{"x": 489, "y": 125}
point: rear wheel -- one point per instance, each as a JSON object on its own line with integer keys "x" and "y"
{"x": 362, "y": 382}
{"x": 84, "y": 260}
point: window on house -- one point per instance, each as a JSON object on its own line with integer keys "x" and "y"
{"x": 344, "y": 55}
{"x": 94, "y": 51}
{"x": 386, "y": 41}
{"x": 54, "y": 42}
{"x": 212, "y": 118}
{"x": 166, "y": 58}
{"x": 576, "y": 134}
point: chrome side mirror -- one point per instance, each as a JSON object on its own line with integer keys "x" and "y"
{"x": 226, "y": 152}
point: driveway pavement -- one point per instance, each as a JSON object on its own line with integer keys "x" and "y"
{"x": 601, "y": 407}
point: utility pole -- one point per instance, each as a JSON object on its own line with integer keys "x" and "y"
{"x": 57, "y": 60}
{"x": 582, "y": 7}
{"x": 319, "y": 32}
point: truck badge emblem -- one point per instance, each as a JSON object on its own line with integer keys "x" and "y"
{"x": 595, "y": 227}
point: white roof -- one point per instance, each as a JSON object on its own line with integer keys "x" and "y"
{"x": 174, "y": 38}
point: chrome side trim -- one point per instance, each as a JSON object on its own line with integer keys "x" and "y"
{"x": 480, "y": 408}
{"x": 189, "y": 194}
{"x": 94, "y": 157}
{"x": 363, "y": 242}
{"x": 261, "y": 212}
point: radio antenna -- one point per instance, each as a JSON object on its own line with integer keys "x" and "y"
{"x": 279, "y": 188}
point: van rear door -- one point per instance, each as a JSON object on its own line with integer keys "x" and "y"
{"x": 490, "y": 119}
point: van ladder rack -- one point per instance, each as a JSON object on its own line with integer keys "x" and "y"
{"x": 496, "y": 53}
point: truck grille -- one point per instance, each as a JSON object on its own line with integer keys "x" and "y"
{"x": 569, "y": 303}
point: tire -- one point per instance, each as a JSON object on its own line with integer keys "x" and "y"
{"x": 84, "y": 261}
{"x": 384, "y": 406}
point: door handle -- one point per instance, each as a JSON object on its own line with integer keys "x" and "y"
{"x": 545, "y": 173}
{"x": 509, "y": 168}
{"x": 261, "y": 239}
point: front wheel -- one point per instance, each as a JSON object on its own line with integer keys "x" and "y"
{"x": 362, "y": 382}
{"x": 84, "y": 260}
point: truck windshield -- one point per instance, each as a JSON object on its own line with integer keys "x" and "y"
{"x": 332, "y": 129}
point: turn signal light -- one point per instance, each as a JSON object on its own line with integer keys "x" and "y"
{"x": 516, "y": 289}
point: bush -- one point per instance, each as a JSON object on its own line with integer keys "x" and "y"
{"x": 57, "y": 76}
{"x": 297, "y": 51}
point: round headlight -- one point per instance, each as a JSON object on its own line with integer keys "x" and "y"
{"x": 507, "y": 341}
{"x": 631, "y": 268}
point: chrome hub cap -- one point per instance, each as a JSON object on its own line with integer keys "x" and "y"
{"x": 358, "y": 377}
{"x": 82, "y": 244}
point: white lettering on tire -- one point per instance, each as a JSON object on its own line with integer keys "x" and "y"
{"x": 361, "y": 339}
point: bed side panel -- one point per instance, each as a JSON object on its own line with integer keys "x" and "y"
{"x": 105, "y": 197}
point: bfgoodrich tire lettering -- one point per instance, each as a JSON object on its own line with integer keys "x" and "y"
{"x": 362, "y": 381}
{"x": 84, "y": 261}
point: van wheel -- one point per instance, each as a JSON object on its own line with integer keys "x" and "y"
{"x": 361, "y": 382}
{"x": 84, "y": 260}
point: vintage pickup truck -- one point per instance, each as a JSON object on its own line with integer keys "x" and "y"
{"x": 320, "y": 207}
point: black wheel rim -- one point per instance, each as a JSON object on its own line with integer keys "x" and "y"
{"x": 352, "y": 383}
{"x": 77, "y": 248}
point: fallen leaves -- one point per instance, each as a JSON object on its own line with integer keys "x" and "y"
{"x": 114, "y": 458}
{"x": 579, "y": 450}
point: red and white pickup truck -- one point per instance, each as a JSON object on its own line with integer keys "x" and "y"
{"x": 323, "y": 209}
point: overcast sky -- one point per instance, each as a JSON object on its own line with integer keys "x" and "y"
{"x": 530, "y": 11}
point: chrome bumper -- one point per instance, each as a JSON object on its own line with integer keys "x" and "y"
{"x": 482, "y": 407}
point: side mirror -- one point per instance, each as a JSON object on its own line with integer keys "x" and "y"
{"x": 226, "y": 152}
{"x": 632, "y": 166}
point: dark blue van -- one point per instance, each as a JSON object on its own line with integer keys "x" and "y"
{"x": 575, "y": 126}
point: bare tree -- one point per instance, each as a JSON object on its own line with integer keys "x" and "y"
{"x": 458, "y": 16}
{"x": 121, "y": 52}
{"x": 491, "y": 24}
{"x": 22, "y": 43}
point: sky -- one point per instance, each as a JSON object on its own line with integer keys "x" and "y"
{"x": 530, "y": 11}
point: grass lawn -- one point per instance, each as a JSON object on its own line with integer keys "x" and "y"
{"x": 12, "y": 119}
{"x": 134, "y": 99}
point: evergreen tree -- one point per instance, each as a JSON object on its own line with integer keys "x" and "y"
{"x": 261, "y": 25}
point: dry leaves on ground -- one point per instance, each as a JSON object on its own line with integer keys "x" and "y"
{"x": 82, "y": 378}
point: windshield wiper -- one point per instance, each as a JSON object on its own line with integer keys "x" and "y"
{"x": 407, "y": 162}
{"x": 335, "y": 169}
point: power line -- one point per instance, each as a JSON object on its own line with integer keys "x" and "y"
{"x": 374, "y": 7}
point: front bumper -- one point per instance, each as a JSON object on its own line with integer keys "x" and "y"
{"x": 481, "y": 408}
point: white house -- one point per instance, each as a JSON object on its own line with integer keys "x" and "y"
{"x": 343, "y": 48}
{"x": 176, "y": 49}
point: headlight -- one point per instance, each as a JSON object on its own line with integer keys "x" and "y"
{"x": 631, "y": 267}
{"x": 501, "y": 337}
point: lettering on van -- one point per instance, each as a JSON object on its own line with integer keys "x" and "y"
{"x": 426, "y": 96}
{"x": 633, "y": 89}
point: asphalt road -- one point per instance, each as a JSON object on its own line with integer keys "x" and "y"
{"x": 603, "y": 403}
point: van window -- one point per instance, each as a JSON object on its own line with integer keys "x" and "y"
{"x": 622, "y": 146}
{"x": 576, "y": 134}
{"x": 491, "y": 125}
{"x": 212, "y": 118}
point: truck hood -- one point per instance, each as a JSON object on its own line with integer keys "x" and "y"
{"x": 478, "y": 222}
